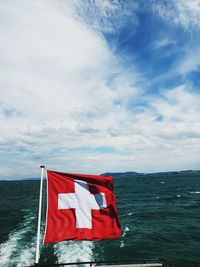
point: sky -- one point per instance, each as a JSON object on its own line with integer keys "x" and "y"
{"x": 94, "y": 86}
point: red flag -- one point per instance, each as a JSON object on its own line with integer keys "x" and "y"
{"x": 80, "y": 207}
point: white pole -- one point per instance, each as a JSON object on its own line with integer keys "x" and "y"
{"x": 39, "y": 217}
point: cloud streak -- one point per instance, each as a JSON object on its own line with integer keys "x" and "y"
{"x": 182, "y": 13}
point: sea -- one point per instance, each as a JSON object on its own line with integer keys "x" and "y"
{"x": 159, "y": 216}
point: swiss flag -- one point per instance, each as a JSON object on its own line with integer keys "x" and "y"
{"x": 80, "y": 207}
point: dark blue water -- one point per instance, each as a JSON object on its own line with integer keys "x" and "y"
{"x": 160, "y": 218}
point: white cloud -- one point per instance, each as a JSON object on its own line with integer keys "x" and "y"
{"x": 62, "y": 90}
{"x": 54, "y": 73}
{"x": 189, "y": 62}
{"x": 108, "y": 16}
{"x": 179, "y": 104}
{"x": 182, "y": 13}
{"x": 163, "y": 42}
{"x": 48, "y": 57}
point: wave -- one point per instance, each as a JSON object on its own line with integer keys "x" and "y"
{"x": 19, "y": 249}
{"x": 70, "y": 251}
{"x": 196, "y": 192}
{"x": 122, "y": 244}
{"x": 195, "y": 204}
{"x": 171, "y": 198}
{"x": 127, "y": 229}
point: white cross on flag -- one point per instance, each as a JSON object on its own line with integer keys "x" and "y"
{"x": 81, "y": 207}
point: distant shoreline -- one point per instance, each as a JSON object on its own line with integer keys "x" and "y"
{"x": 124, "y": 175}
{"x": 169, "y": 173}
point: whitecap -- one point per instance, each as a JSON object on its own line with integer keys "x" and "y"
{"x": 70, "y": 251}
{"x": 196, "y": 192}
{"x": 122, "y": 244}
{"x": 125, "y": 231}
{"x": 16, "y": 251}
{"x": 130, "y": 214}
{"x": 178, "y": 195}
{"x": 27, "y": 256}
{"x": 162, "y": 182}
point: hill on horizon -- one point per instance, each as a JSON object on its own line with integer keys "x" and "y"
{"x": 133, "y": 173}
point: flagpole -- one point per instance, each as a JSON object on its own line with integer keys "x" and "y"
{"x": 39, "y": 218}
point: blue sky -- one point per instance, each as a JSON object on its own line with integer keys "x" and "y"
{"x": 98, "y": 86}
